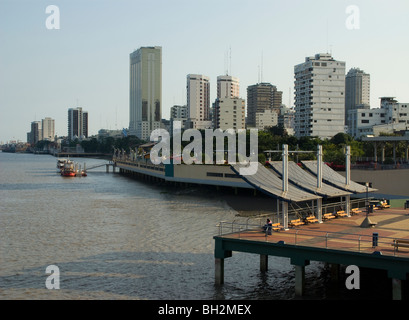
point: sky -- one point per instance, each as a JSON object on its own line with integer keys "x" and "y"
{"x": 44, "y": 72}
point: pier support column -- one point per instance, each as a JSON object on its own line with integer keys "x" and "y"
{"x": 299, "y": 280}
{"x": 299, "y": 266}
{"x": 263, "y": 262}
{"x": 219, "y": 271}
{"x": 396, "y": 289}
{"x": 335, "y": 269}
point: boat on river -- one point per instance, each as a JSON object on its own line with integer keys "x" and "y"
{"x": 68, "y": 169}
{"x": 60, "y": 163}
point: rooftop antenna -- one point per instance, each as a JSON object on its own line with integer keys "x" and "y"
{"x": 258, "y": 74}
{"x": 327, "y": 35}
{"x": 225, "y": 64}
{"x": 262, "y": 66}
{"x": 230, "y": 61}
{"x": 116, "y": 118}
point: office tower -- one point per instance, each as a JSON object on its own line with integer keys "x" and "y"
{"x": 198, "y": 101}
{"x": 145, "y": 91}
{"x": 36, "y": 132}
{"x": 357, "y": 91}
{"x": 261, "y": 97}
{"x": 228, "y": 87}
{"x": 77, "y": 123}
{"x": 48, "y": 129}
{"x": 229, "y": 113}
{"x": 319, "y": 97}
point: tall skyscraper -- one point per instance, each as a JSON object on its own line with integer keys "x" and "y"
{"x": 319, "y": 97}
{"x": 357, "y": 91}
{"x": 36, "y": 132}
{"x": 77, "y": 123}
{"x": 145, "y": 91}
{"x": 198, "y": 101}
{"x": 48, "y": 129}
{"x": 260, "y": 97}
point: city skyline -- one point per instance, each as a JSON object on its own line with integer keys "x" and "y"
{"x": 86, "y": 62}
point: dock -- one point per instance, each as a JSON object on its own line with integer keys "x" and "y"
{"x": 339, "y": 241}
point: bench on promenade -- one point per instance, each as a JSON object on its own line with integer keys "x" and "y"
{"x": 384, "y": 206}
{"x": 328, "y": 216}
{"x": 311, "y": 219}
{"x": 356, "y": 211}
{"x": 276, "y": 226}
{"x": 400, "y": 243}
{"x": 296, "y": 222}
{"x": 341, "y": 214}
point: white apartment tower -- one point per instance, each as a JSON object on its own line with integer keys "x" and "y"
{"x": 228, "y": 87}
{"x": 145, "y": 91}
{"x": 357, "y": 91}
{"x": 48, "y": 128}
{"x": 319, "y": 97}
{"x": 198, "y": 101}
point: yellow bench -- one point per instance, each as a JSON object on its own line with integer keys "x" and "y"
{"x": 328, "y": 216}
{"x": 341, "y": 214}
{"x": 356, "y": 211}
{"x": 276, "y": 226}
{"x": 296, "y": 222}
{"x": 311, "y": 219}
{"x": 400, "y": 243}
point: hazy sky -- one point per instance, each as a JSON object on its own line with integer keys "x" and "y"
{"x": 44, "y": 72}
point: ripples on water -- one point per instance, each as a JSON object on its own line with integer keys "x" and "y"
{"x": 114, "y": 237}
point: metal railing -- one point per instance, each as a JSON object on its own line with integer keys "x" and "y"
{"x": 361, "y": 243}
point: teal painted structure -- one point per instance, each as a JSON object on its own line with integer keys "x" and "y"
{"x": 300, "y": 256}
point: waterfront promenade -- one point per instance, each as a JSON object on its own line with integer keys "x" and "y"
{"x": 339, "y": 241}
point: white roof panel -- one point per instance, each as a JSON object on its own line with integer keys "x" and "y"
{"x": 266, "y": 181}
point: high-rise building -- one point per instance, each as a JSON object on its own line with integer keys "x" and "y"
{"x": 229, "y": 113}
{"x": 260, "y": 97}
{"x": 319, "y": 97}
{"x": 36, "y": 132}
{"x": 48, "y": 129}
{"x": 77, "y": 123}
{"x": 228, "y": 87}
{"x": 145, "y": 91}
{"x": 357, "y": 91}
{"x": 198, "y": 101}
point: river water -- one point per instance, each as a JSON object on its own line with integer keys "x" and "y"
{"x": 115, "y": 237}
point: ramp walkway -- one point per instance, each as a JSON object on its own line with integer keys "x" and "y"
{"x": 333, "y": 178}
{"x": 267, "y": 182}
{"x": 306, "y": 181}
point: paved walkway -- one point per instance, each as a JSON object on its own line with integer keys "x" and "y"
{"x": 344, "y": 233}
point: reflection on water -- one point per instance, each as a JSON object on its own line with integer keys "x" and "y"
{"x": 114, "y": 237}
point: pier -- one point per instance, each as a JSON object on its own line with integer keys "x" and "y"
{"x": 339, "y": 241}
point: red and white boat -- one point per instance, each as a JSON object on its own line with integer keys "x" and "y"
{"x": 68, "y": 170}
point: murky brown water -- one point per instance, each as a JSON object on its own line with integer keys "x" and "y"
{"x": 114, "y": 237}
